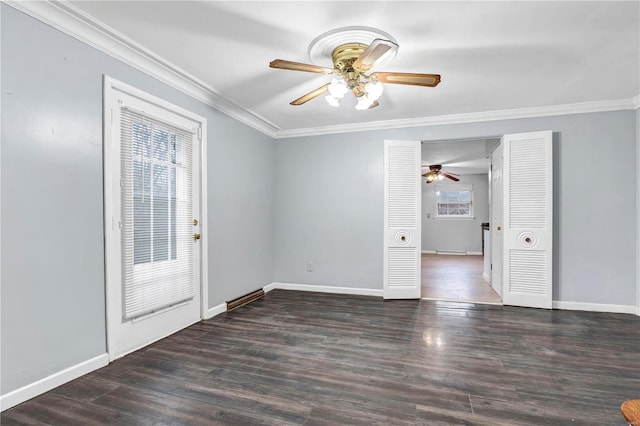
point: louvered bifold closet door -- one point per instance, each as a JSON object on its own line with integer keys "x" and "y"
{"x": 157, "y": 229}
{"x": 528, "y": 219}
{"x": 402, "y": 198}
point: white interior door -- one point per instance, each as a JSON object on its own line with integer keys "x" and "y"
{"x": 495, "y": 222}
{"x": 152, "y": 218}
{"x": 528, "y": 219}
{"x": 402, "y": 203}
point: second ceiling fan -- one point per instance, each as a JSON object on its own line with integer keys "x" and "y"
{"x": 435, "y": 174}
{"x": 352, "y": 65}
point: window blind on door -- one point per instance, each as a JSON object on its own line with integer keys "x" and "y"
{"x": 157, "y": 217}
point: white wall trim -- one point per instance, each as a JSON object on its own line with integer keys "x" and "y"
{"x": 510, "y": 114}
{"x": 204, "y": 224}
{"x": 474, "y": 253}
{"x": 636, "y": 101}
{"x": 486, "y": 277}
{"x": 67, "y": 18}
{"x": 216, "y": 310}
{"x": 429, "y": 252}
{"x": 41, "y": 386}
{"x": 324, "y": 289}
{"x": 595, "y": 307}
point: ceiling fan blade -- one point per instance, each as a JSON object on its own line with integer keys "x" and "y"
{"x": 299, "y": 66}
{"x": 413, "y": 79}
{"x": 374, "y": 104}
{"x": 311, "y": 95}
{"x": 447, "y": 175}
{"x": 429, "y": 174}
{"x": 377, "y": 50}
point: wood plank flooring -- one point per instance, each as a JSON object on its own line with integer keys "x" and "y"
{"x": 456, "y": 278}
{"x": 319, "y": 359}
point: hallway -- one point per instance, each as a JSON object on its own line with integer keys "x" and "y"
{"x": 456, "y": 278}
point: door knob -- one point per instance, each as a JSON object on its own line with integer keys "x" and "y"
{"x": 196, "y": 236}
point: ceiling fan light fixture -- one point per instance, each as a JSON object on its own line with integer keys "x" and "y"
{"x": 338, "y": 88}
{"x": 374, "y": 90}
{"x": 364, "y": 102}
{"x": 331, "y": 100}
{"x": 354, "y": 52}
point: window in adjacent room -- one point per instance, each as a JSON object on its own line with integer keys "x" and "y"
{"x": 454, "y": 201}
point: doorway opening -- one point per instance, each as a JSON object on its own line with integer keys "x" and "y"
{"x": 457, "y": 205}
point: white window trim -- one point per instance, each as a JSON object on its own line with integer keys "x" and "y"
{"x": 453, "y": 187}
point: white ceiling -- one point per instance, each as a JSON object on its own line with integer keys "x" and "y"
{"x": 469, "y": 156}
{"x": 492, "y": 56}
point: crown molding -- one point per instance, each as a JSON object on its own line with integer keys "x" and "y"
{"x": 474, "y": 117}
{"x": 76, "y": 23}
{"x": 72, "y": 21}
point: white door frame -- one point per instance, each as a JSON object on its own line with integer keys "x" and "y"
{"x": 500, "y": 146}
{"x": 496, "y": 228}
{"x": 112, "y": 89}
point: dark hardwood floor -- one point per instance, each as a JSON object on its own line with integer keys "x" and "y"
{"x": 310, "y": 358}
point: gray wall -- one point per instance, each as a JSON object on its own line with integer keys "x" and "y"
{"x": 52, "y": 278}
{"x": 329, "y": 207}
{"x": 461, "y": 235}
{"x": 329, "y": 199}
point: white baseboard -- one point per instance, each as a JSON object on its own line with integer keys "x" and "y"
{"x": 216, "y": 310}
{"x": 34, "y": 389}
{"x": 428, "y": 252}
{"x": 595, "y": 307}
{"x": 325, "y": 289}
{"x": 486, "y": 277}
{"x": 474, "y": 253}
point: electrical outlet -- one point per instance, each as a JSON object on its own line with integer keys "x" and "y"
{"x": 309, "y": 267}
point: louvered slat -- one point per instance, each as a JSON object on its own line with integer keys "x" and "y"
{"x": 528, "y": 272}
{"x": 528, "y": 185}
{"x": 401, "y": 180}
{"x": 402, "y": 265}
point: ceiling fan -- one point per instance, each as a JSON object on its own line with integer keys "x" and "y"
{"x": 352, "y": 63}
{"x": 435, "y": 174}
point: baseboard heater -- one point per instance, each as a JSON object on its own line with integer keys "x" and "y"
{"x": 243, "y": 300}
{"x": 455, "y": 252}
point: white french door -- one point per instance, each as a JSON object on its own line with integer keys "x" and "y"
{"x": 528, "y": 219}
{"x": 402, "y": 203}
{"x": 152, "y": 164}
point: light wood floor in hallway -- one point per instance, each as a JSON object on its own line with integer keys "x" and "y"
{"x": 456, "y": 278}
